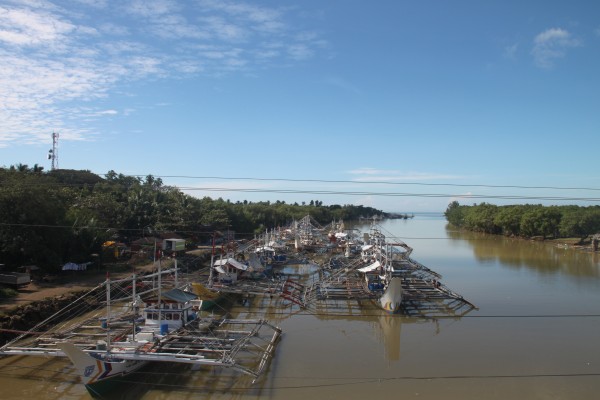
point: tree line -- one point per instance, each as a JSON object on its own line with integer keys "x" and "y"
{"x": 49, "y": 218}
{"x": 527, "y": 220}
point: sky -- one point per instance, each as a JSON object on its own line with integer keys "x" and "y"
{"x": 400, "y": 105}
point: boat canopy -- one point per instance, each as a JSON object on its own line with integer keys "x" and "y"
{"x": 366, "y": 247}
{"x": 371, "y": 267}
{"x": 265, "y": 248}
{"x": 232, "y": 262}
{"x": 175, "y": 295}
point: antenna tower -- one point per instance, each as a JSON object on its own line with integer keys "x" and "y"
{"x": 53, "y": 152}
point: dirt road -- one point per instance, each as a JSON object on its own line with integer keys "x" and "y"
{"x": 69, "y": 282}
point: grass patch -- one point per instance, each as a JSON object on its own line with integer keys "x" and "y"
{"x": 7, "y": 293}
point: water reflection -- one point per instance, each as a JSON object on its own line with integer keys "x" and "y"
{"x": 540, "y": 341}
{"x": 386, "y": 328}
{"x": 544, "y": 257}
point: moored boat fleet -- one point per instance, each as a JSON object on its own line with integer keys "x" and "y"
{"x": 122, "y": 325}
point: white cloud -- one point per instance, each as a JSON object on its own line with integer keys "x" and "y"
{"x": 378, "y": 175}
{"x": 57, "y": 60}
{"x": 460, "y": 197}
{"x": 220, "y": 28}
{"x": 366, "y": 171}
{"x": 151, "y": 8}
{"x": 108, "y": 112}
{"x": 300, "y": 51}
{"x": 551, "y": 45}
{"x": 113, "y": 29}
{"x": 94, "y": 3}
{"x": 24, "y": 27}
{"x": 262, "y": 19}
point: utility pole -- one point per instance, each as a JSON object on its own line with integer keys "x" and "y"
{"x": 53, "y": 152}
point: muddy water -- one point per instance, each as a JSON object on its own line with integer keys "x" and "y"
{"x": 535, "y": 335}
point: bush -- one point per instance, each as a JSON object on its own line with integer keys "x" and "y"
{"x": 7, "y": 293}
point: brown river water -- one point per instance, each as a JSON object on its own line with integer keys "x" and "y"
{"x": 535, "y": 335}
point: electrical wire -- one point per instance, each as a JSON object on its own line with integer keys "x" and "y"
{"x": 369, "y": 182}
{"x": 362, "y": 193}
{"x": 388, "y": 194}
{"x": 331, "y": 381}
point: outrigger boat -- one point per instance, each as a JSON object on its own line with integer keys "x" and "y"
{"x": 207, "y": 299}
{"x": 379, "y": 275}
{"x": 384, "y": 274}
{"x": 104, "y": 348}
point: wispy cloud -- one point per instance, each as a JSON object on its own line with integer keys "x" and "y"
{"x": 379, "y": 175}
{"x": 29, "y": 28}
{"x": 510, "y": 51}
{"x": 460, "y": 197}
{"x": 552, "y": 44}
{"x": 108, "y": 112}
{"x": 342, "y": 83}
{"x": 53, "y": 56}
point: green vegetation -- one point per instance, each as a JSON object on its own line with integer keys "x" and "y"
{"x": 527, "y": 220}
{"x": 7, "y": 293}
{"x": 47, "y": 219}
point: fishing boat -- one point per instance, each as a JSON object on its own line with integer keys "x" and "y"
{"x": 137, "y": 328}
{"x": 379, "y": 275}
{"x": 386, "y": 288}
{"x": 207, "y": 299}
{"x": 162, "y": 314}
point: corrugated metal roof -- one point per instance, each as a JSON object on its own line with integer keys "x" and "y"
{"x": 176, "y": 295}
{"x": 233, "y": 262}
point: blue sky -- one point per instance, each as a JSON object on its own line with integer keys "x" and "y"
{"x": 398, "y": 105}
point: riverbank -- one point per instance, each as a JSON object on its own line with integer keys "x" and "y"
{"x": 69, "y": 282}
{"x": 76, "y": 281}
{"x": 41, "y": 299}
{"x": 569, "y": 243}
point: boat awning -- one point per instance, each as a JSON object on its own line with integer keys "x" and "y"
{"x": 371, "y": 267}
{"x": 366, "y": 247}
{"x": 232, "y": 262}
{"x": 176, "y": 295}
{"x": 265, "y": 248}
{"x": 220, "y": 269}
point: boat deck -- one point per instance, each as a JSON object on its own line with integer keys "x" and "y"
{"x": 245, "y": 345}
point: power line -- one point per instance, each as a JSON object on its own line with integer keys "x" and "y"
{"x": 389, "y": 194}
{"x": 364, "y": 193}
{"x": 411, "y": 319}
{"x": 353, "y": 193}
{"x": 371, "y": 182}
{"x": 360, "y": 182}
{"x": 331, "y": 381}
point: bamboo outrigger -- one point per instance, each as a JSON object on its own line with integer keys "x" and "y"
{"x": 377, "y": 269}
{"x": 109, "y": 339}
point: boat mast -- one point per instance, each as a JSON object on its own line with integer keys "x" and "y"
{"x": 159, "y": 293}
{"x": 176, "y": 275}
{"x": 134, "y": 303}
{"x": 108, "y": 311}
{"x": 212, "y": 262}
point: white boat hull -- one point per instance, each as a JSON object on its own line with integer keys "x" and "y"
{"x": 97, "y": 367}
{"x": 391, "y": 299}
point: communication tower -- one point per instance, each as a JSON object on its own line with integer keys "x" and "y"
{"x": 53, "y": 152}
